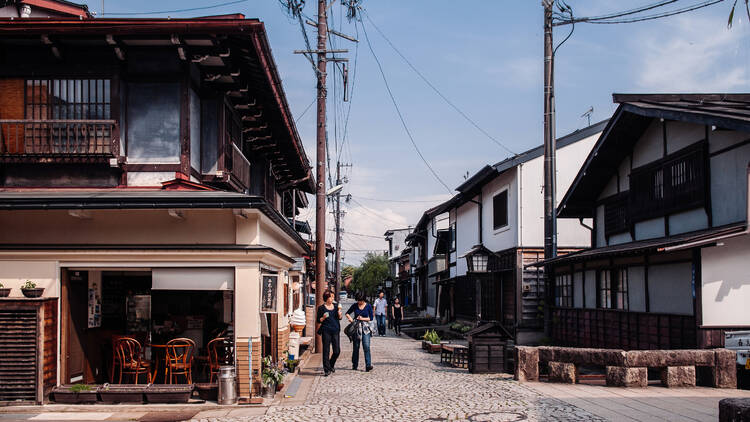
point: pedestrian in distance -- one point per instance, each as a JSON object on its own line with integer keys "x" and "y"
{"x": 362, "y": 312}
{"x": 381, "y": 310}
{"x": 329, "y": 314}
{"x": 397, "y": 313}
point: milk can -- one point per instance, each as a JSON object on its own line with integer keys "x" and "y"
{"x": 227, "y": 385}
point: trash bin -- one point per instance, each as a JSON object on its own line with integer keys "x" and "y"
{"x": 227, "y": 385}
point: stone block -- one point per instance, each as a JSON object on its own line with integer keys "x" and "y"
{"x": 527, "y": 364}
{"x": 576, "y": 355}
{"x": 664, "y": 358}
{"x": 725, "y": 370}
{"x": 620, "y": 376}
{"x": 607, "y": 357}
{"x": 734, "y": 410}
{"x": 678, "y": 376}
{"x": 547, "y": 353}
{"x": 562, "y": 372}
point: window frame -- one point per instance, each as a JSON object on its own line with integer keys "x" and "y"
{"x": 612, "y": 289}
{"x": 505, "y": 190}
{"x": 564, "y": 290}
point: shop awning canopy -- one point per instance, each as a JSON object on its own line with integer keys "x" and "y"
{"x": 192, "y": 279}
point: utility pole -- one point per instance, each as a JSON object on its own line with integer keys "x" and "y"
{"x": 320, "y": 192}
{"x": 338, "y": 230}
{"x": 550, "y": 220}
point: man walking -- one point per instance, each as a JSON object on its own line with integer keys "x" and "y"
{"x": 381, "y": 307}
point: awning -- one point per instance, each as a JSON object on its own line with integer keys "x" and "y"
{"x": 192, "y": 279}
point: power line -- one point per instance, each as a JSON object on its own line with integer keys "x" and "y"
{"x": 632, "y": 11}
{"x": 398, "y": 111}
{"x": 608, "y": 19}
{"x": 434, "y": 88}
{"x": 399, "y": 200}
{"x": 176, "y": 10}
{"x": 358, "y": 234}
{"x": 371, "y": 213}
{"x": 306, "y": 108}
{"x": 662, "y": 15}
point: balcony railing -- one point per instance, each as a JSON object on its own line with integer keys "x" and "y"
{"x": 239, "y": 169}
{"x": 63, "y": 139}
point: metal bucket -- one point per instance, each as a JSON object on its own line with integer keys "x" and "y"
{"x": 227, "y": 385}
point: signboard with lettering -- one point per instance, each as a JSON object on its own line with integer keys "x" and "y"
{"x": 268, "y": 294}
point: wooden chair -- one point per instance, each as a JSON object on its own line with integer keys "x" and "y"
{"x": 219, "y": 353}
{"x": 129, "y": 354}
{"x": 179, "y": 359}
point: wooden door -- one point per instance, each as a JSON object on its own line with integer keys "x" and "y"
{"x": 75, "y": 308}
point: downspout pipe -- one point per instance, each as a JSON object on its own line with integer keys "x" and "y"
{"x": 479, "y": 204}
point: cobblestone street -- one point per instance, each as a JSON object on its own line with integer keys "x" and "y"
{"x": 408, "y": 384}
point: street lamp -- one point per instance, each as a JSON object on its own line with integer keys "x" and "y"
{"x": 478, "y": 259}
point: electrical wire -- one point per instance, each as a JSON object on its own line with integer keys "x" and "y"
{"x": 434, "y": 88}
{"x": 358, "y": 234}
{"x": 306, "y": 108}
{"x": 660, "y": 15}
{"x": 608, "y": 20}
{"x": 399, "y": 200}
{"x": 398, "y": 111}
{"x": 372, "y": 213}
{"x": 631, "y": 11}
{"x": 176, "y": 10}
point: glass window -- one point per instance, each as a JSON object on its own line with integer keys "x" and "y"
{"x": 564, "y": 291}
{"x": 68, "y": 99}
{"x": 153, "y": 123}
{"x": 195, "y": 130}
{"x": 620, "y": 289}
{"x": 605, "y": 290}
{"x": 500, "y": 210}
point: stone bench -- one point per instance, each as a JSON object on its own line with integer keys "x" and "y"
{"x": 628, "y": 368}
{"x": 734, "y": 410}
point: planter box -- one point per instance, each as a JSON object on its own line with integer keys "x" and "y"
{"x": 32, "y": 293}
{"x": 164, "y": 393}
{"x": 5, "y": 292}
{"x": 208, "y": 392}
{"x": 122, "y": 393}
{"x": 64, "y": 395}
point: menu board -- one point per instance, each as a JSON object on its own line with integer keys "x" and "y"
{"x": 268, "y": 294}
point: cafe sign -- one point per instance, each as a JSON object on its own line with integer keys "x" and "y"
{"x": 268, "y": 294}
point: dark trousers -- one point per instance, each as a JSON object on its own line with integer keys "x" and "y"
{"x": 397, "y": 325}
{"x": 329, "y": 359}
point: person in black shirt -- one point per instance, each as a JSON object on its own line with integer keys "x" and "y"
{"x": 328, "y": 316}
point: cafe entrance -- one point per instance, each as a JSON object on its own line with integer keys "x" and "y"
{"x": 119, "y": 325}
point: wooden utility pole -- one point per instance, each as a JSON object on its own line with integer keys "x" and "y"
{"x": 338, "y": 230}
{"x": 550, "y": 220}
{"x": 320, "y": 192}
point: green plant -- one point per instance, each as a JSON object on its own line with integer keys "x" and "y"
{"x": 29, "y": 285}
{"x": 456, "y": 326}
{"x": 465, "y": 329}
{"x": 79, "y": 388}
{"x": 291, "y": 364}
{"x": 1, "y": 285}
{"x": 431, "y": 336}
{"x": 273, "y": 372}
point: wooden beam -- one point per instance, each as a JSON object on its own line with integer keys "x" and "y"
{"x": 118, "y": 50}
{"x": 53, "y": 47}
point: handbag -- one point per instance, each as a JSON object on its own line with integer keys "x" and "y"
{"x": 350, "y": 330}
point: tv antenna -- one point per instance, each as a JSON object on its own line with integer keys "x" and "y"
{"x": 588, "y": 114}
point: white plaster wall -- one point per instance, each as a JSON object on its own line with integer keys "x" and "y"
{"x": 688, "y": 221}
{"x": 507, "y": 236}
{"x": 651, "y": 145}
{"x": 729, "y": 183}
{"x": 46, "y": 274}
{"x": 683, "y": 134}
{"x": 601, "y": 240}
{"x": 578, "y": 289}
{"x": 609, "y": 189}
{"x": 649, "y": 229}
{"x": 670, "y": 288}
{"x": 637, "y": 289}
{"x": 725, "y": 277}
{"x": 720, "y": 139}
{"x": 467, "y": 234}
{"x": 148, "y": 178}
{"x": 620, "y": 238}
{"x": 247, "y": 300}
{"x": 624, "y": 172}
{"x": 590, "y": 292}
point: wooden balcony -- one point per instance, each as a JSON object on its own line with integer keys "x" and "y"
{"x": 30, "y": 141}
{"x": 239, "y": 169}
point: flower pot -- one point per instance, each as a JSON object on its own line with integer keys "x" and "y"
{"x": 163, "y": 393}
{"x": 65, "y": 395}
{"x": 5, "y": 292}
{"x": 269, "y": 391}
{"x": 122, "y": 393}
{"x": 35, "y": 292}
{"x": 208, "y": 392}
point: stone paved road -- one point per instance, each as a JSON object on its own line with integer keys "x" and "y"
{"x": 408, "y": 384}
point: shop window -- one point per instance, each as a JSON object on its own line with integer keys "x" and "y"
{"x": 564, "y": 291}
{"x": 500, "y": 210}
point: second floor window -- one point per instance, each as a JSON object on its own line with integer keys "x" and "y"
{"x": 564, "y": 291}
{"x": 500, "y": 210}
{"x": 68, "y": 99}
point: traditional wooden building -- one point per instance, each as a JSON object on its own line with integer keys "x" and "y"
{"x": 148, "y": 172}
{"x": 667, "y": 187}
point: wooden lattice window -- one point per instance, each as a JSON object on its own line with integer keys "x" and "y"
{"x": 68, "y": 99}
{"x": 564, "y": 290}
{"x": 616, "y": 219}
{"x": 613, "y": 289}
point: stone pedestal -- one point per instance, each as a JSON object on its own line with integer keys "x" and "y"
{"x": 562, "y": 372}
{"x": 734, "y": 410}
{"x": 678, "y": 376}
{"x": 725, "y": 369}
{"x": 527, "y": 364}
{"x": 620, "y": 376}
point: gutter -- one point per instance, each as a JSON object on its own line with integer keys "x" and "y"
{"x": 715, "y": 239}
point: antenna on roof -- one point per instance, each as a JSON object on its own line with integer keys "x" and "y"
{"x": 588, "y": 114}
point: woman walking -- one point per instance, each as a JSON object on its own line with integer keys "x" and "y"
{"x": 397, "y": 313}
{"x": 329, "y": 315}
{"x": 362, "y": 312}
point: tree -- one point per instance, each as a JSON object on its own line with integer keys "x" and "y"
{"x": 370, "y": 274}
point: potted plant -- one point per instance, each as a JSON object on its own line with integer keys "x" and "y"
{"x": 4, "y": 291}
{"x": 431, "y": 341}
{"x": 271, "y": 376}
{"x": 292, "y": 365}
{"x": 75, "y": 394}
{"x": 122, "y": 393}
{"x": 29, "y": 289}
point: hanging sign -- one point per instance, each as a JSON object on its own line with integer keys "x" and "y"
{"x": 268, "y": 294}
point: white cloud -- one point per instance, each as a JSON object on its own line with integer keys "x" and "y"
{"x": 697, "y": 55}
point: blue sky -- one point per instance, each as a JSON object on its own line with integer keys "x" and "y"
{"x": 486, "y": 57}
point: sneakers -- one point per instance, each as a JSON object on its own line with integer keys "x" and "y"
{"x": 368, "y": 369}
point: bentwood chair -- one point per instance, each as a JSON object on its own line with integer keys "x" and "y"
{"x": 179, "y": 359}
{"x": 115, "y": 358}
{"x": 220, "y": 352}
{"x": 129, "y": 354}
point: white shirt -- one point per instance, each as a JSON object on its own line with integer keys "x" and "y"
{"x": 380, "y": 305}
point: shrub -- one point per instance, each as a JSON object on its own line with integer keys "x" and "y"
{"x": 431, "y": 336}
{"x": 31, "y": 285}
{"x": 78, "y": 388}
{"x": 465, "y": 329}
{"x": 273, "y": 372}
